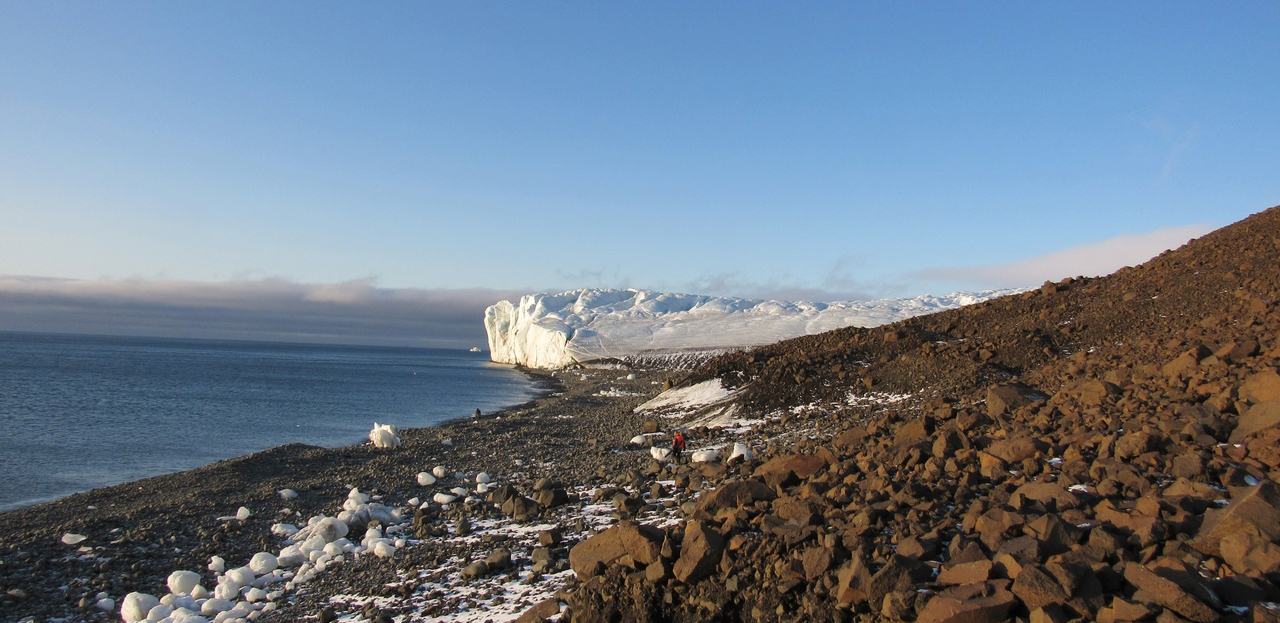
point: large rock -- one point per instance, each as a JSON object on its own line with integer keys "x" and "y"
{"x": 1169, "y": 594}
{"x": 1051, "y": 495}
{"x": 590, "y": 557}
{"x": 855, "y": 582}
{"x": 699, "y": 552}
{"x": 730, "y": 497}
{"x": 1263, "y": 386}
{"x": 1257, "y": 512}
{"x": 1247, "y": 552}
{"x": 1259, "y": 417}
{"x": 1036, "y": 587}
{"x": 789, "y": 469}
{"x": 1002, "y": 399}
{"x": 988, "y": 602}
{"x": 1017, "y": 449}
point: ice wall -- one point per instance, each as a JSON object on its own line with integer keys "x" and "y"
{"x": 556, "y": 330}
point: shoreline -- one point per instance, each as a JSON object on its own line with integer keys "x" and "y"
{"x": 140, "y": 531}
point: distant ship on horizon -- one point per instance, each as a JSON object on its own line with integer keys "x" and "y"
{"x": 475, "y": 349}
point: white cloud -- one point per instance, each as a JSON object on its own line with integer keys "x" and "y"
{"x": 1093, "y": 259}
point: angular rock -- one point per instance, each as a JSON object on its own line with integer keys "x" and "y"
{"x": 1168, "y": 594}
{"x": 1017, "y": 449}
{"x": 967, "y": 573}
{"x": 790, "y": 469}
{"x": 1262, "y": 386}
{"x": 1259, "y": 417}
{"x": 1250, "y": 553}
{"x": 699, "y": 552}
{"x": 1036, "y": 587}
{"x": 1051, "y": 495}
{"x": 730, "y": 497}
{"x": 641, "y": 543}
{"x": 988, "y": 602}
{"x": 1257, "y": 512}
{"x": 1002, "y": 399}
{"x": 541, "y": 611}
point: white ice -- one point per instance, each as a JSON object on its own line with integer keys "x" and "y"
{"x": 384, "y": 436}
{"x": 557, "y": 330}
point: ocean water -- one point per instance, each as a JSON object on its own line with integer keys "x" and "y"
{"x": 79, "y": 412}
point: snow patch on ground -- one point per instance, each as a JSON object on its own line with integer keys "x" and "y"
{"x": 687, "y": 399}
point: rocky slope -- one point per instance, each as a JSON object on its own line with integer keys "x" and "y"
{"x": 1098, "y": 449}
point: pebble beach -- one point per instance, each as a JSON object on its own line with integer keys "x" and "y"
{"x": 136, "y": 534}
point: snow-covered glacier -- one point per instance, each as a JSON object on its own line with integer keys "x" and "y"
{"x": 557, "y": 330}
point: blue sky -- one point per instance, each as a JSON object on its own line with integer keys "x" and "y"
{"x": 827, "y": 150}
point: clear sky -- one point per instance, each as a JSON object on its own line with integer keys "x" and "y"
{"x": 174, "y": 153}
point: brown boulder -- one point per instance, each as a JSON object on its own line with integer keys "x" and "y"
{"x": 1257, "y": 512}
{"x": 1168, "y": 594}
{"x": 1036, "y": 587}
{"x": 1095, "y": 391}
{"x": 851, "y": 439}
{"x": 856, "y": 583}
{"x": 789, "y": 468}
{"x": 988, "y": 602}
{"x": 731, "y": 497}
{"x": 817, "y": 561}
{"x": 541, "y": 611}
{"x": 1017, "y": 449}
{"x": 1009, "y": 397}
{"x": 913, "y": 431}
{"x": 966, "y": 573}
{"x": 699, "y": 552}
{"x": 1247, "y": 553}
{"x": 1259, "y": 417}
{"x": 1262, "y": 386}
{"x": 590, "y": 557}
{"x": 1051, "y": 495}
{"x": 1186, "y": 362}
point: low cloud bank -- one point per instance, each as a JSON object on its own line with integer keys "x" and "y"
{"x": 352, "y": 312}
{"x": 1089, "y": 260}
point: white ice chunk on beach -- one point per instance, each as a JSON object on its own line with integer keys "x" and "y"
{"x": 741, "y": 450}
{"x": 327, "y": 529}
{"x": 439, "y": 471}
{"x": 243, "y": 513}
{"x": 425, "y": 479}
{"x": 384, "y": 436}
{"x": 557, "y": 330}
{"x": 638, "y": 440}
{"x": 72, "y": 538}
{"x": 136, "y": 606}
{"x": 443, "y": 498}
{"x": 217, "y": 564}
{"x": 288, "y": 494}
{"x": 183, "y": 582}
{"x": 660, "y": 454}
{"x": 705, "y": 456}
{"x": 263, "y": 562}
{"x": 483, "y": 478}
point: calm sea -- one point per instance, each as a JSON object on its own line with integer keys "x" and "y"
{"x": 79, "y": 412}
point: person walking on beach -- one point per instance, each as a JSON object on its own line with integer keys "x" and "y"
{"x": 677, "y": 445}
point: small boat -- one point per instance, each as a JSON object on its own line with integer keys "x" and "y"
{"x": 475, "y": 349}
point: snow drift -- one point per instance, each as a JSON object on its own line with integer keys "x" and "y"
{"x": 557, "y": 330}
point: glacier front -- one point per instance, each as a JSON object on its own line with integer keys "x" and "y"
{"x": 558, "y": 330}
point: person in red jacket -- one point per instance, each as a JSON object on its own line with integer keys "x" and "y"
{"x": 677, "y": 445}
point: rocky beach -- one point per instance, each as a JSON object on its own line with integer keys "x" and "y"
{"x": 1095, "y": 449}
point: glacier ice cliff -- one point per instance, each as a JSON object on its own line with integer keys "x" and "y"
{"x": 557, "y": 330}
